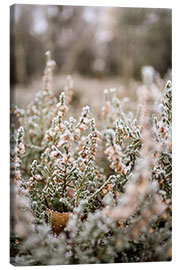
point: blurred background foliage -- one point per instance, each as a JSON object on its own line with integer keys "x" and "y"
{"x": 94, "y": 42}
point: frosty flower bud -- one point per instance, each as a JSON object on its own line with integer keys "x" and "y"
{"x": 21, "y": 149}
{"x": 51, "y": 64}
{"x": 38, "y": 177}
{"x": 69, "y": 77}
{"x": 85, "y": 111}
{"x": 104, "y": 191}
{"x": 61, "y": 105}
{"x": 61, "y": 143}
{"x": 48, "y": 56}
{"x": 52, "y": 132}
{"x": 56, "y": 129}
{"x": 13, "y": 165}
{"x": 34, "y": 167}
{"x": 109, "y": 150}
{"x": 147, "y": 73}
{"x": 76, "y": 134}
{"x": 105, "y": 109}
{"x": 62, "y": 98}
{"x": 71, "y": 159}
{"x": 65, "y": 158}
{"x": 59, "y": 117}
{"x": 47, "y": 137}
{"x": 82, "y": 127}
{"x": 92, "y": 124}
{"x": 77, "y": 131}
{"x": 113, "y": 91}
{"x": 58, "y": 161}
{"x": 17, "y": 175}
{"x": 168, "y": 84}
{"x": 68, "y": 89}
{"x": 20, "y": 134}
{"x": 72, "y": 120}
{"x": 54, "y": 154}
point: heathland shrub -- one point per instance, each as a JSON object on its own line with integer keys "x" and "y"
{"x": 81, "y": 195}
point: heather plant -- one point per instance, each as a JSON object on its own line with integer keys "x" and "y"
{"x": 84, "y": 195}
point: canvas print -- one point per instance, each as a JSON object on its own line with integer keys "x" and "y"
{"x": 90, "y": 135}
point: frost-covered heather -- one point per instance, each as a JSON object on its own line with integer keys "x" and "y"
{"x": 83, "y": 195}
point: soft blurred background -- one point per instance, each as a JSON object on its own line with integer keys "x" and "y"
{"x": 101, "y": 47}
